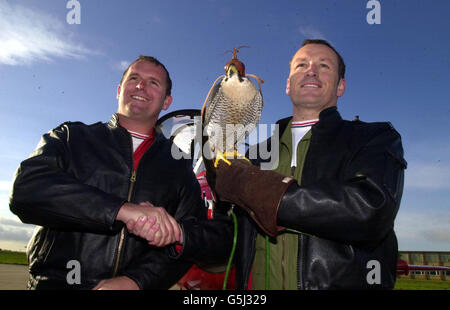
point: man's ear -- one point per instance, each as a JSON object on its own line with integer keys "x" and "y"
{"x": 341, "y": 87}
{"x": 119, "y": 88}
{"x": 167, "y": 102}
{"x": 288, "y": 86}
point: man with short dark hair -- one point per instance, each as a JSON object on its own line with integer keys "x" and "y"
{"x": 323, "y": 218}
{"x": 83, "y": 183}
{"x": 336, "y": 191}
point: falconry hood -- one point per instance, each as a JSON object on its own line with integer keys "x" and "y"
{"x": 236, "y": 64}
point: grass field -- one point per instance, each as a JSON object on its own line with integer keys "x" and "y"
{"x": 11, "y": 257}
{"x": 414, "y": 284}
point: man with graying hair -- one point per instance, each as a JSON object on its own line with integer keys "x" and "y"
{"x": 83, "y": 183}
{"x": 323, "y": 218}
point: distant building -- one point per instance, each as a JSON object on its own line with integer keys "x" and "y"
{"x": 415, "y": 259}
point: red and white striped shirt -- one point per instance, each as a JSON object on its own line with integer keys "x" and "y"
{"x": 140, "y": 144}
{"x": 299, "y": 130}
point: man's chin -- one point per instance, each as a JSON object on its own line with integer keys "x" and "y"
{"x": 312, "y": 106}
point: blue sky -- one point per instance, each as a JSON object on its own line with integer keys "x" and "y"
{"x": 398, "y": 71}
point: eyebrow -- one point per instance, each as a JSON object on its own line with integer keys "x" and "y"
{"x": 300, "y": 59}
{"x": 305, "y": 58}
{"x": 329, "y": 60}
{"x": 153, "y": 78}
{"x": 326, "y": 59}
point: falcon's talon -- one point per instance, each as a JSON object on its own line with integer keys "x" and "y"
{"x": 238, "y": 155}
{"x": 224, "y": 156}
{"x": 219, "y": 158}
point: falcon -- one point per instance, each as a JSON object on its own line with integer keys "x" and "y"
{"x": 231, "y": 111}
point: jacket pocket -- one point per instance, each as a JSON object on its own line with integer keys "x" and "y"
{"x": 394, "y": 174}
{"x": 41, "y": 245}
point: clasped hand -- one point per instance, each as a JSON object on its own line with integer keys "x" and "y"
{"x": 149, "y": 222}
{"x": 152, "y": 223}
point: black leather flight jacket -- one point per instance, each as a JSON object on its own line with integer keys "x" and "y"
{"x": 73, "y": 186}
{"x": 352, "y": 184}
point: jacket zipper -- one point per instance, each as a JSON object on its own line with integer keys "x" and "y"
{"x": 248, "y": 266}
{"x": 283, "y": 263}
{"x": 122, "y": 232}
{"x": 299, "y": 251}
{"x": 299, "y": 274}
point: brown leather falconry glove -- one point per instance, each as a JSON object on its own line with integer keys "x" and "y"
{"x": 259, "y": 192}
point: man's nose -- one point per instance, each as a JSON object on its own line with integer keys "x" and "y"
{"x": 312, "y": 70}
{"x": 140, "y": 84}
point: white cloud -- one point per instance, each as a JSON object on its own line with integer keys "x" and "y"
{"x": 438, "y": 236}
{"x": 5, "y": 186}
{"x": 28, "y": 36}
{"x": 13, "y": 245}
{"x": 13, "y": 230}
{"x": 10, "y": 222}
{"x": 427, "y": 230}
{"x": 310, "y": 32}
{"x": 156, "y": 19}
{"x": 123, "y": 65}
{"x": 427, "y": 175}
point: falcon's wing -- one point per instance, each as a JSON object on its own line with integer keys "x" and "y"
{"x": 216, "y": 117}
{"x": 251, "y": 119}
{"x": 213, "y": 109}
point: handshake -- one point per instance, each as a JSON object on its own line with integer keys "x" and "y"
{"x": 152, "y": 223}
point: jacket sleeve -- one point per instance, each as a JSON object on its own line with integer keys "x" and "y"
{"x": 45, "y": 193}
{"x": 207, "y": 242}
{"x": 163, "y": 266}
{"x": 358, "y": 209}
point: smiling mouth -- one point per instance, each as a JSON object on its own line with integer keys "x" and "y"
{"x": 311, "y": 85}
{"x": 139, "y": 98}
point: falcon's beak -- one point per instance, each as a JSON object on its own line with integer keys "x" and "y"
{"x": 232, "y": 70}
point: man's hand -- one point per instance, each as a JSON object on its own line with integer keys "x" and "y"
{"x": 118, "y": 283}
{"x": 151, "y": 223}
{"x": 259, "y": 192}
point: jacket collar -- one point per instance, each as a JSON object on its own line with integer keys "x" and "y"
{"x": 329, "y": 119}
{"x": 114, "y": 121}
{"x": 114, "y": 124}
